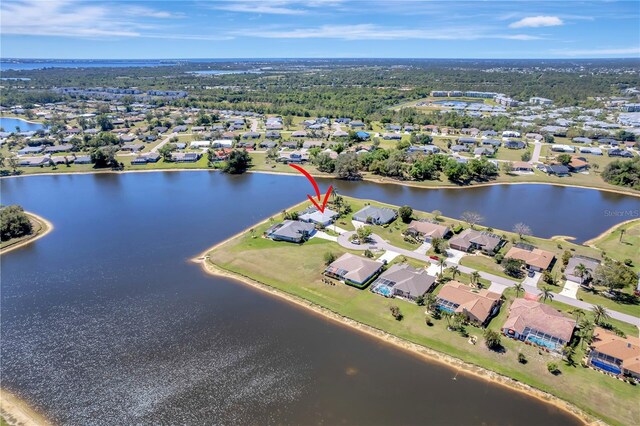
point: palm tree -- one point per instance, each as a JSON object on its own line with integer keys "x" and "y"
{"x": 586, "y": 331}
{"x": 579, "y": 313}
{"x": 547, "y": 294}
{"x": 600, "y": 313}
{"x": 454, "y": 271}
{"x": 622, "y": 232}
{"x": 430, "y": 301}
{"x": 582, "y": 272}
{"x": 475, "y": 277}
{"x": 441, "y": 263}
{"x": 518, "y": 288}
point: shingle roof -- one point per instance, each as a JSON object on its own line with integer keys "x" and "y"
{"x": 535, "y": 315}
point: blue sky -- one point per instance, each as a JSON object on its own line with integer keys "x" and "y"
{"x": 319, "y": 28}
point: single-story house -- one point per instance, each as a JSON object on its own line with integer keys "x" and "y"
{"x": 59, "y": 148}
{"x": 340, "y": 134}
{"x": 362, "y": 135}
{"x": 522, "y": 166}
{"x": 33, "y": 161}
{"x": 615, "y": 354}
{"x": 466, "y": 141}
{"x": 200, "y": 144}
{"x": 290, "y": 144}
{"x": 251, "y": 135}
{"x": 562, "y": 148}
{"x": 312, "y": 144}
{"x": 559, "y": 170}
{"x": 392, "y": 136}
{"x": 150, "y": 157}
{"x": 185, "y": 157}
{"x": 538, "y": 324}
{"x": 219, "y": 143}
{"x": 405, "y": 281}
{"x": 578, "y": 164}
{"x": 82, "y": 159}
{"x": 133, "y": 147}
{"x": 293, "y": 231}
{"x": 313, "y": 215}
{"x": 514, "y": 144}
{"x": 477, "y": 306}
{"x": 299, "y": 134}
{"x": 579, "y": 139}
{"x": 356, "y": 124}
{"x": 293, "y": 157}
{"x": 573, "y": 275}
{"x": 375, "y": 215}
{"x": 460, "y": 148}
{"x": 353, "y": 269}
{"x": 31, "y": 150}
{"x": 471, "y": 239}
{"x": 182, "y": 128}
{"x": 492, "y": 142}
{"x": 483, "y": 151}
{"x": 428, "y": 230}
{"x": 535, "y": 258}
{"x": 271, "y": 134}
{"x": 268, "y": 144}
{"x": 616, "y": 152}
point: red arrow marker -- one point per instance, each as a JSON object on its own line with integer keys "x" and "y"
{"x": 315, "y": 186}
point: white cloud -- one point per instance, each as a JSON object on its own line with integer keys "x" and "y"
{"x": 375, "y": 32}
{"x": 65, "y": 18}
{"x": 537, "y": 21}
{"x": 626, "y": 51}
{"x": 274, "y": 7}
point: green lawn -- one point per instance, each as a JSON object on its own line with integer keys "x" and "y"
{"x": 263, "y": 260}
{"x": 621, "y": 246}
{"x": 485, "y": 264}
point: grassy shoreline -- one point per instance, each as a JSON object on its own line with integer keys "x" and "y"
{"x": 363, "y": 310}
{"x": 43, "y": 227}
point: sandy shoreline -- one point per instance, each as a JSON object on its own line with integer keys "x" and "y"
{"x": 17, "y": 412}
{"x": 45, "y": 223}
{"x": 422, "y": 352}
{"x": 381, "y": 181}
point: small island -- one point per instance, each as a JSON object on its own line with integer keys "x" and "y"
{"x": 18, "y": 228}
{"x": 538, "y": 315}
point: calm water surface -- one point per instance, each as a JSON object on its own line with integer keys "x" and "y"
{"x": 104, "y": 321}
{"x": 10, "y": 124}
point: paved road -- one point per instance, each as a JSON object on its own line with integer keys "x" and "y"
{"x": 378, "y": 243}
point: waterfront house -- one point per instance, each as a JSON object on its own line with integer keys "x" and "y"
{"x": 375, "y": 215}
{"x": 559, "y": 170}
{"x": 313, "y": 215}
{"x": 534, "y": 258}
{"x": 615, "y": 354}
{"x": 470, "y": 239}
{"x": 293, "y": 231}
{"x": 477, "y": 306}
{"x": 352, "y": 269}
{"x": 33, "y": 161}
{"x": 82, "y": 159}
{"x": 428, "y": 230}
{"x": 539, "y": 324}
{"x": 573, "y": 275}
{"x": 405, "y": 281}
{"x": 287, "y": 157}
{"x": 185, "y": 157}
{"x": 578, "y": 164}
{"x": 522, "y": 166}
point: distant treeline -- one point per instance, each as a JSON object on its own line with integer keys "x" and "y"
{"x": 335, "y": 88}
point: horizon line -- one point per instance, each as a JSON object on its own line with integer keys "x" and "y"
{"x": 322, "y": 58}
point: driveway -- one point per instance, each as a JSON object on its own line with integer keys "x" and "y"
{"x": 454, "y": 256}
{"x": 388, "y": 256}
{"x": 324, "y": 236}
{"x": 532, "y": 281}
{"x": 537, "y": 147}
{"x": 498, "y": 288}
{"x": 570, "y": 289}
{"x": 423, "y": 248}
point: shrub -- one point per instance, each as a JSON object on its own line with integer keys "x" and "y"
{"x": 628, "y": 262}
{"x": 499, "y": 258}
{"x": 329, "y": 258}
{"x": 405, "y": 213}
{"x": 521, "y": 358}
{"x": 553, "y": 368}
{"x": 395, "y": 312}
{"x": 492, "y": 339}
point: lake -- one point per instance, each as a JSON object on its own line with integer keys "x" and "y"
{"x": 104, "y": 321}
{"x": 10, "y": 124}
